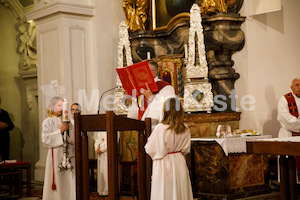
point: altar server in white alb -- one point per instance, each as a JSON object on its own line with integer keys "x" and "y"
{"x": 101, "y": 150}
{"x": 151, "y": 104}
{"x": 288, "y": 111}
{"x": 58, "y": 184}
{"x": 167, "y": 145}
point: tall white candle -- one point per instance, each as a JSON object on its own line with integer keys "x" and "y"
{"x": 185, "y": 51}
{"x": 65, "y": 111}
{"x": 148, "y": 56}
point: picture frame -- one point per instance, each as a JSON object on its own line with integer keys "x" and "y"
{"x": 164, "y": 11}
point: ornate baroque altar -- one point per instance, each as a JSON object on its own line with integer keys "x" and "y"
{"x": 194, "y": 51}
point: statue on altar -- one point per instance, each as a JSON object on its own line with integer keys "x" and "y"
{"x": 136, "y": 13}
{"x": 213, "y": 6}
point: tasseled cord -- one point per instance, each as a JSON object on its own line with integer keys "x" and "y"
{"x": 53, "y": 182}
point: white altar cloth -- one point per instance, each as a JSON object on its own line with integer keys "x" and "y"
{"x": 235, "y": 144}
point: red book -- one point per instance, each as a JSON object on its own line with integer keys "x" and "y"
{"x": 136, "y": 76}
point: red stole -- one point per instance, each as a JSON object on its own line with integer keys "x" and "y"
{"x": 292, "y": 108}
{"x": 294, "y": 111}
{"x": 143, "y": 106}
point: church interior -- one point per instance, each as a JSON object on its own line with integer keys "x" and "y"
{"x": 242, "y": 50}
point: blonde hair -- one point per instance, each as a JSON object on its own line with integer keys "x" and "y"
{"x": 53, "y": 102}
{"x": 174, "y": 115}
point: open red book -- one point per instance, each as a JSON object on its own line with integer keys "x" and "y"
{"x": 136, "y": 76}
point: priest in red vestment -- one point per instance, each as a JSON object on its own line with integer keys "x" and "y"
{"x": 150, "y": 105}
{"x": 288, "y": 116}
{"x": 288, "y": 111}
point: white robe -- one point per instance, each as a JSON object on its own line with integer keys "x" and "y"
{"x": 155, "y": 108}
{"x": 287, "y": 121}
{"x": 170, "y": 175}
{"x": 102, "y": 171}
{"x": 65, "y": 181}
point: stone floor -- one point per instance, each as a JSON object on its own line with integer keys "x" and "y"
{"x": 37, "y": 193}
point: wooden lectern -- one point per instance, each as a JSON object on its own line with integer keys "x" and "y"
{"x": 110, "y": 123}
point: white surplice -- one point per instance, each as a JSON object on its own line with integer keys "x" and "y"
{"x": 65, "y": 179}
{"x": 155, "y": 108}
{"x": 170, "y": 175}
{"x": 287, "y": 121}
{"x": 102, "y": 171}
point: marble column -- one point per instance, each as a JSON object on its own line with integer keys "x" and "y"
{"x": 66, "y": 60}
{"x": 223, "y": 36}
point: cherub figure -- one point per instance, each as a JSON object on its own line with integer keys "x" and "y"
{"x": 213, "y": 6}
{"x": 136, "y": 13}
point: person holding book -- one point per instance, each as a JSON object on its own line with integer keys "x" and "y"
{"x": 58, "y": 184}
{"x": 150, "y": 104}
{"x": 168, "y": 143}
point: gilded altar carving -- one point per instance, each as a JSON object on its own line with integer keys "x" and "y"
{"x": 136, "y": 13}
{"x": 213, "y": 6}
{"x": 171, "y": 70}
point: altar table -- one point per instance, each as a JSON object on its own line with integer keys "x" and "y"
{"x": 221, "y": 168}
{"x": 233, "y": 144}
{"x": 287, "y": 148}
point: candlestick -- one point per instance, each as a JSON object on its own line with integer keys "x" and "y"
{"x": 65, "y": 112}
{"x": 185, "y": 51}
{"x": 148, "y": 56}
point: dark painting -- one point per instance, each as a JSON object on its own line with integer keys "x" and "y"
{"x": 165, "y": 10}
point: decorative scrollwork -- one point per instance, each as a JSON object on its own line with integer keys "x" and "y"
{"x": 197, "y": 89}
{"x": 213, "y": 6}
{"x": 123, "y": 46}
{"x": 27, "y": 45}
{"x": 199, "y": 70}
{"x": 27, "y": 37}
{"x": 191, "y": 103}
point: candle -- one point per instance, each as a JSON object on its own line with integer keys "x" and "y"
{"x": 185, "y": 51}
{"x": 65, "y": 111}
{"x": 65, "y": 136}
{"x": 148, "y": 55}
